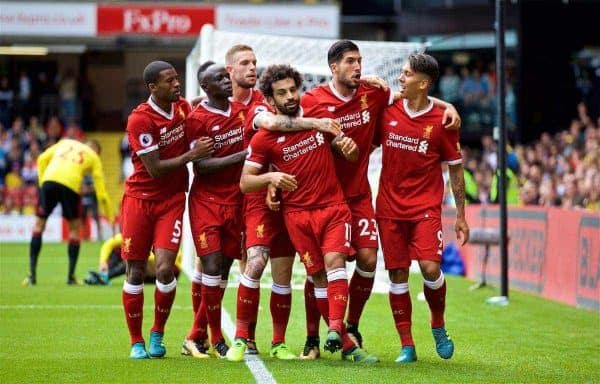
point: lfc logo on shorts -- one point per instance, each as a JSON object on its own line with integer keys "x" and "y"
{"x": 202, "y": 240}
{"x": 260, "y": 231}
{"x": 126, "y": 245}
{"x": 306, "y": 260}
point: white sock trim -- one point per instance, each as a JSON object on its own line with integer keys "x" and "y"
{"x": 435, "y": 284}
{"x": 197, "y": 277}
{"x": 398, "y": 288}
{"x": 337, "y": 274}
{"x": 365, "y": 274}
{"x": 133, "y": 289}
{"x": 249, "y": 282}
{"x": 281, "y": 289}
{"x": 166, "y": 288}
{"x": 320, "y": 293}
{"x": 211, "y": 281}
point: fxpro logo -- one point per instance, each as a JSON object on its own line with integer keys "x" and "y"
{"x": 134, "y": 20}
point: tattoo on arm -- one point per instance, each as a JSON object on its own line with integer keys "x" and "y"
{"x": 457, "y": 181}
{"x": 288, "y": 122}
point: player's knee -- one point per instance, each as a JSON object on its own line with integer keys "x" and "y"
{"x": 165, "y": 274}
{"x": 399, "y": 275}
{"x": 135, "y": 276}
{"x": 255, "y": 267}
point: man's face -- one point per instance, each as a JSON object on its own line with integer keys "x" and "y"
{"x": 243, "y": 69}
{"x": 411, "y": 82}
{"x": 348, "y": 70}
{"x": 167, "y": 88}
{"x": 216, "y": 82}
{"x": 286, "y": 98}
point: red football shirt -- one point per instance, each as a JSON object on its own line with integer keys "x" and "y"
{"x": 305, "y": 154}
{"x": 358, "y": 116}
{"x": 226, "y": 128}
{"x": 149, "y": 128}
{"x": 413, "y": 147}
{"x": 255, "y": 97}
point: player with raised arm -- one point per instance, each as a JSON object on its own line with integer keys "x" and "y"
{"x": 61, "y": 170}
{"x": 409, "y": 202}
{"x": 215, "y": 201}
{"x": 356, "y": 105}
{"x": 315, "y": 214}
{"x": 154, "y": 201}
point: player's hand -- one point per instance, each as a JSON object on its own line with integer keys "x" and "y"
{"x": 271, "y": 199}
{"x": 103, "y": 266}
{"x": 348, "y": 148}
{"x": 284, "y": 181}
{"x": 201, "y": 147}
{"x": 462, "y": 230}
{"x": 328, "y": 125}
{"x": 374, "y": 81}
{"x": 197, "y": 100}
{"x": 451, "y": 119}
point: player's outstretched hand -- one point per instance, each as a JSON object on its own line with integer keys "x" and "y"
{"x": 283, "y": 181}
{"x": 451, "y": 118}
{"x": 328, "y": 125}
{"x": 271, "y": 200}
{"x": 374, "y": 81}
{"x": 348, "y": 148}
{"x": 201, "y": 147}
{"x": 462, "y": 231}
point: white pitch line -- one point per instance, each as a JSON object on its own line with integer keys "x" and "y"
{"x": 253, "y": 362}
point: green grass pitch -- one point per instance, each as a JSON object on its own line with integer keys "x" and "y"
{"x": 54, "y": 333}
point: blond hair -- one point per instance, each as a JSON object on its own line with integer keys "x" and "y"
{"x": 235, "y": 49}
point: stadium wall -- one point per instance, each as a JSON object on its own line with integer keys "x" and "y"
{"x": 552, "y": 252}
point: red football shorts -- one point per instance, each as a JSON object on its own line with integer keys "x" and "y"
{"x": 265, "y": 227}
{"x": 364, "y": 226}
{"x": 216, "y": 227}
{"x": 406, "y": 240}
{"x": 148, "y": 224}
{"x": 319, "y": 231}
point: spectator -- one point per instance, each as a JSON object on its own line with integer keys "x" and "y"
{"x": 68, "y": 96}
{"x": 24, "y": 95}
{"x": 6, "y": 102}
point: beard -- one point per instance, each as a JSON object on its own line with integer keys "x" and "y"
{"x": 288, "y": 110}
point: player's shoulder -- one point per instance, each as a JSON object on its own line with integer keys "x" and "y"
{"x": 318, "y": 91}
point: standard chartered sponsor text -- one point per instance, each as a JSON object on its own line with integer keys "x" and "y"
{"x": 300, "y": 148}
{"x": 171, "y": 136}
{"x": 402, "y": 142}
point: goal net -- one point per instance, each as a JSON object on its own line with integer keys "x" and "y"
{"x": 309, "y": 57}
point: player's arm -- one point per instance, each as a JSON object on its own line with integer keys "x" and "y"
{"x": 284, "y": 123}
{"x": 43, "y": 160}
{"x": 346, "y": 147}
{"x": 374, "y": 81}
{"x": 450, "y": 120}
{"x": 106, "y": 250}
{"x": 157, "y": 167}
{"x": 101, "y": 194}
{"x": 213, "y": 164}
{"x": 457, "y": 182}
{"x": 252, "y": 181}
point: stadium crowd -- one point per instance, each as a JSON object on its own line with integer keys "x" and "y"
{"x": 560, "y": 170}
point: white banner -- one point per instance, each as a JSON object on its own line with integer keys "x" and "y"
{"x": 47, "y": 19}
{"x": 289, "y": 19}
{"x": 17, "y": 229}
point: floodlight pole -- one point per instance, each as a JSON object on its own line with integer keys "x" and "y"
{"x": 500, "y": 76}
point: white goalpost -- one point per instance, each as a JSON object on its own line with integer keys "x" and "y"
{"x": 309, "y": 57}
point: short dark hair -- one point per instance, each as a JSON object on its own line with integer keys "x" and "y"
{"x": 337, "y": 50}
{"x": 153, "y": 70}
{"x": 426, "y": 64}
{"x": 203, "y": 67}
{"x": 275, "y": 73}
